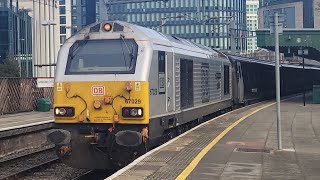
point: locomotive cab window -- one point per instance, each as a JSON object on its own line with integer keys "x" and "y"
{"x": 116, "y": 56}
{"x": 226, "y": 80}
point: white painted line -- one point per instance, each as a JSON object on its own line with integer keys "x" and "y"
{"x": 26, "y": 125}
{"x": 135, "y": 162}
{"x": 287, "y": 150}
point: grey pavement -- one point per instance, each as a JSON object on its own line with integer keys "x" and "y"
{"x": 249, "y": 151}
{"x": 19, "y": 120}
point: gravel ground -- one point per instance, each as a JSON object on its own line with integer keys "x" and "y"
{"x": 58, "y": 171}
{"x": 25, "y": 153}
{"x": 22, "y": 163}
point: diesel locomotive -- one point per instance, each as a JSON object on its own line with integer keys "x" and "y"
{"x": 121, "y": 89}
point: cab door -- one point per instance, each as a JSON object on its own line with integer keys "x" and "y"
{"x": 165, "y": 60}
{"x": 169, "y": 81}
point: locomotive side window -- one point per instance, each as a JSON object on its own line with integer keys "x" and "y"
{"x": 162, "y": 71}
{"x": 116, "y": 56}
{"x": 226, "y": 80}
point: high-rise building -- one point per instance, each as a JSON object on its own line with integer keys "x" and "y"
{"x": 296, "y": 13}
{"x": 203, "y": 21}
{"x": 65, "y": 21}
{"x": 16, "y": 36}
{"x": 74, "y": 15}
{"x": 252, "y": 24}
{"x": 45, "y": 48}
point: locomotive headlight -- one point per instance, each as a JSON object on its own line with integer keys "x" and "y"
{"x": 64, "y": 111}
{"x": 134, "y": 112}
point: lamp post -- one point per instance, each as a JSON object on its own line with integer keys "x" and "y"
{"x": 303, "y": 52}
{"x": 276, "y": 28}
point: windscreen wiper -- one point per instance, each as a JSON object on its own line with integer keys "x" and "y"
{"x": 130, "y": 52}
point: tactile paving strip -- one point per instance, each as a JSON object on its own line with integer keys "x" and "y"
{"x": 170, "y": 161}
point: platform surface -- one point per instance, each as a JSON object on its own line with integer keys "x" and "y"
{"x": 21, "y": 120}
{"x": 223, "y": 149}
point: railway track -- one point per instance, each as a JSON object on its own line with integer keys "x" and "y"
{"x": 13, "y": 168}
{"x": 44, "y": 165}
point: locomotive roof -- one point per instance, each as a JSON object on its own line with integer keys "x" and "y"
{"x": 155, "y": 37}
{"x": 269, "y": 63}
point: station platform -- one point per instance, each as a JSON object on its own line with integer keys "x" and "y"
{"x": 26, "y": 119}
{"x": 241, "y": 144}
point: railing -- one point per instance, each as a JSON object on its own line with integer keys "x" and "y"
{"x": 21, "y": 94}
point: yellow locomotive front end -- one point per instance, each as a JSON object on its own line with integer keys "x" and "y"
{"x": 123, "y": 102}
{"x": 101, "y": 98}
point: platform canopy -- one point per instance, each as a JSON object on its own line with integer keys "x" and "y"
{"x": 291, "y": 41}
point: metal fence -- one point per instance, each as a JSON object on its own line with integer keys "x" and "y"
{"x": 21, "y": 94}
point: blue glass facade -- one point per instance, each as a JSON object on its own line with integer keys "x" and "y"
{"x": 308, "y": 11}
{"x": 15, "y": 34}
{"x": 203, "y": 21}
{"x": 83, "y": 12}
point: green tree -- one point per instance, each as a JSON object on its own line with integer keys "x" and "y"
{"x": 10, "y": 68}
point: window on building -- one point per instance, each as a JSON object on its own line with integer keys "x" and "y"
{"x": 74, "y": 9}
{"x": 62, "y": 39}
{"x": 62, "y": 2}
{"x": 63, "y": 30}
{"x": 62, "y": 10}
{"x": 74, "y": 20}
{"x": 62, "y": 20}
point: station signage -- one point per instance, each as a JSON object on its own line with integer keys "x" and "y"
{"x": 45, "y": 82}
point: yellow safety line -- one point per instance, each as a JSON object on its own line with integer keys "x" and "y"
{"x": 186, "y": 172}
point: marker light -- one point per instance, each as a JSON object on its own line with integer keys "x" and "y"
{"x": 126, "y": 112}
{"x": 62, "y": 111}
{"x": 107, "y": 27}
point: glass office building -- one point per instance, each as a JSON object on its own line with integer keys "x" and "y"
{"x": 83, "y": 12}
{"x": 202, "y": 21}
{"x": 296, "y": 12}
{"x": 15, "y": 35}
{"x": 74, "y": 15}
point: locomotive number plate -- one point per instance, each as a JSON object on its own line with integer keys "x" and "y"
{"x": 98, "y": 90}
{"x": 133, "y": 101}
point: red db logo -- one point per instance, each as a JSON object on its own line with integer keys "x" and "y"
{"x": 97, "y": 90}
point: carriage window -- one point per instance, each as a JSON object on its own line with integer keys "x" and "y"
{"x": 115, "y": 56}
{"x": 226, "y": 80}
